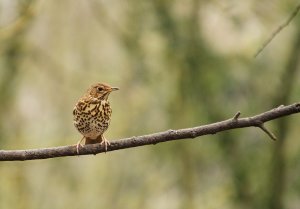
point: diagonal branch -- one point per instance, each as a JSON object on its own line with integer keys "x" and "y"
{"x": 270, "y": 134}
{"x": 277, "y": 31}
{"x": 136, "y": 141}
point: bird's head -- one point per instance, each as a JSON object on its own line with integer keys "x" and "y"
{"x": 101, "y": 91}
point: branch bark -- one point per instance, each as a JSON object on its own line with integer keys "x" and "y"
{"x": 170, "y": 135}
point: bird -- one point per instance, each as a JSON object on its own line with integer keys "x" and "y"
{"x": 92, "y": 113}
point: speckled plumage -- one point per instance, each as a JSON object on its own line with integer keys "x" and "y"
{"x": 91, "y": 114}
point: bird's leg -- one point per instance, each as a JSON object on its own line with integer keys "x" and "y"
{"x": 79, "y": 145}
{"x": 105, "y": 142}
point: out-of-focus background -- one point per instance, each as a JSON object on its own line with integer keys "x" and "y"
{"x": 178, "y": 64}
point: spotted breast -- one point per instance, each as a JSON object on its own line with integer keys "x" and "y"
{"x": 92, "y": 118}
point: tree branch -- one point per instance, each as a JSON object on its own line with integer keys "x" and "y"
{"x": 277, "y": 31}
{"x": 135, "y": 141}
{"x": 270, "y": 134}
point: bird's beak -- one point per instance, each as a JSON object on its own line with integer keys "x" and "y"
{"x": 114, "y": 88}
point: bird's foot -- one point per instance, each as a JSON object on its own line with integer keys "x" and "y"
{"x": 105, "y": 142}
{"x": 79, "y": 145}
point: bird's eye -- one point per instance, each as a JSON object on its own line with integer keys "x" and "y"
{"x": 100, "y": 88}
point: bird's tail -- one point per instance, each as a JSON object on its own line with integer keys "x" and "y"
{"x": 93, "y": 141}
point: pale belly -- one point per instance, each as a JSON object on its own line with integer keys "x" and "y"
{"x": 95, "y": 129}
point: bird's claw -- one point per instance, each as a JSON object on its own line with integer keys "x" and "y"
{"x": 79, "y": 145}
{"x": 105, "y": 142}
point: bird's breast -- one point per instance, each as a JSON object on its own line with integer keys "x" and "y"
{"x": 92, "y": 119}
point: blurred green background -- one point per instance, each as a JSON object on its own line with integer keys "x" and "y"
{"x": 178, "y": 64}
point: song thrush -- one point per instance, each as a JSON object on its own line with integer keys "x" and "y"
{"x": 92, "y": 114}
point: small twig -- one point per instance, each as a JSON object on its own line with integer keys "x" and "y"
{"x": 270, "y": 134}
{"x": 280, "y": 106}
{"x": 170, "y": 135}
{"x": 280, "y": 28}
{"x": 236, "y": 116}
